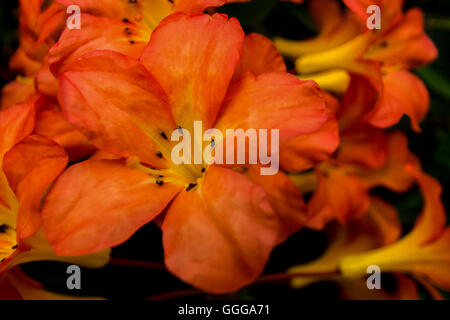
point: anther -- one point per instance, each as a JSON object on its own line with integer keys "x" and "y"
{"x": 384, "y": 44}
{"x": 14, "y": 247}
{"x": 159, "y": 154}
{"x": 125, "y": 20}
{"x": 127, "y": 31}
{"x": 191, "y": 186}
{"x": 203, "y": 170}
{"x": 3, "y": 228}
{"x": 162, "y": 133}
{"x": 131, "y": 41}
{"x": 159, "y": 182}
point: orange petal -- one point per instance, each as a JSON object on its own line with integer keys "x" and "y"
{"x": 284, "y": 197}
{"x": 254, "y": 102}
{"x": 306, "y": 150}
{"x": 404, "y": 93}
{"x": 31, "y": 166}
{"x": 358, "y": 101}
{"x": 16, "y": 123}
{"x": 98, "y": 204}
{"x": 46, "y": 82}
{"x": 259, "y": 55}
{"x": 193, "y": 57}
{"x": 50, "y": 123}
{"x": 218, "y": 236}
{"x": 406, "y": 44}
{"x": 16, "y": 92}
{"x": 96, "y": 34}
{"x": 123, "y": 114}
{"x": 364, "y": 146}
{"x": 392, "y": 174}
{"x": 338, "y": 196}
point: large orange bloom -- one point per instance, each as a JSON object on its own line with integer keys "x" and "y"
{"x": 220, "y": 223}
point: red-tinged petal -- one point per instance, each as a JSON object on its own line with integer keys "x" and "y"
{"x": 51, "y": 123}
{"x": 338, "y": 196}
{"x": 16, "y": 123}
{"x": 98, "y": 204}
{"x": 306, "y": 150}
{"x": 358, "y": 101}
{"x": 284, "y": 197}
{"x": 273, "y": 101}
{"x": 46, "y": 82}
{"x": 363, "y": 146}
{"x": 49, "y": 26}
{"x": 96, "y": 34}
{"x": 16, "y": 92}
{"x": 31, "y": 166}
{"x": 392, "y": 174}
{"x": 431, "y": 222}
{"x": 407, "y": 44}
{"x": 22, "y": 63}
{"x": 219, "y": 235}
{"x": 193, "y": 57}
{"x": 404, "y": 93}
{"x": 118, "y": 105}
{"x": 259, "y": 55}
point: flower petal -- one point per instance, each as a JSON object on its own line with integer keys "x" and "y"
{"x": 97, "y": 33}
{"x": 404, "y": 93}
{"x": 98, "y": 204}
{"x": 193, "y": 57}
{"x": 117, "y": 105}
{"x": 218, "y": 236}
{"x": 259, "y": 55}
{"x": 31, "y": 166}
{"x": 275, "y": 100}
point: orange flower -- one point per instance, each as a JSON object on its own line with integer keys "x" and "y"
{"x": 380, "y": 227}
{"x": 424, "y": 252}
{"x": 382, "y": 56}
{"x": 366, "y": 158}
{"x": 220, "y": 223}
{"x": 119, "y": 25}
{"x": 30, "y": 164}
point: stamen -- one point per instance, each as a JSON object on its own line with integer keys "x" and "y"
{"x": 125, "y": 20}
{"x": 3, "y": 228}
{"x": 203, "y": 170}
{"x": 159, "y": 182}
{"x": 191, "y": 186}
{"x": 14, "y": 247}
{"x": 162, "y": 133}
{"x": 159, "y": 154}
{"x": 127, "y": 31}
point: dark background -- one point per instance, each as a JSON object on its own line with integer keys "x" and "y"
{"x": 271, "y": 18}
